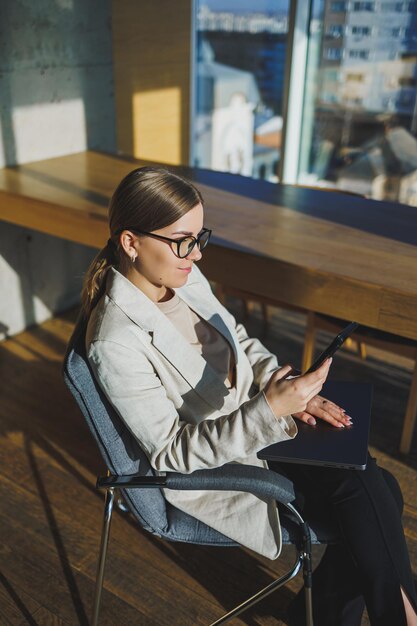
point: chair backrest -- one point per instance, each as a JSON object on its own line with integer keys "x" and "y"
{"x": 123, "y": 454}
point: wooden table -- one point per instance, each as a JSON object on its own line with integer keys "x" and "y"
{"x": 316, "y": 250}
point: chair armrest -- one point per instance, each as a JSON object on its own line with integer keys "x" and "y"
{"x": 130, "y": 481}
{"x": 259, "y": 481}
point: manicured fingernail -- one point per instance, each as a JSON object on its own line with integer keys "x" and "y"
{"x": 340, "y": 425}
{"x": 311, "y": 421}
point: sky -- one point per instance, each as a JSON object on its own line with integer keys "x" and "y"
{"x": 248, "y": 6}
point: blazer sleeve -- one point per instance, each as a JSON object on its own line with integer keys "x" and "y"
{"x": 262, "y": 361}
{"x": 171, "y": 444}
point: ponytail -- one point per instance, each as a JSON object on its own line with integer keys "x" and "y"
{"x": 95, "y": 277}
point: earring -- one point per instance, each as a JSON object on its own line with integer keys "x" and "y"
{"x": 133, "y": 258}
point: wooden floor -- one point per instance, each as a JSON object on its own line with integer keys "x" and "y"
{"x": 50, "y": 512}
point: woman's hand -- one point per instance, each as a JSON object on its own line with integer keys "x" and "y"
{"x": 326, "y": 410}
{"x": 288, "y": 397}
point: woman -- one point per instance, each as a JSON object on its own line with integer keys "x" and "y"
{"x": 197, "y": 392}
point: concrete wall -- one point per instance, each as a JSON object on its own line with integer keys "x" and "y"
{"x": 39, "y": 275}
{"x": 56, "y": 98}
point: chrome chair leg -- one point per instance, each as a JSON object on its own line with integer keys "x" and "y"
{"x": 105, "y": 533}
{"x": 121, "y": 505}
{"x": 309, "y": 607}
{"x": 307, "y": 564}
{"x": 263, "y": 593}
{"x": 304, "y": 559}
{"x": 308, "y": 575}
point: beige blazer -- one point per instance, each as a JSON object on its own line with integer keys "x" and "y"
{"x": 175, "y": 404}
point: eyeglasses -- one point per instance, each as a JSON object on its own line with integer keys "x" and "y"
{"x": 184, "y": 246}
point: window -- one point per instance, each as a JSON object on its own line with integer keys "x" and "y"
{"x": 360, "y": 90}
{"x": 335, "y": 30}
{"x": 364, "y": 6}
{"x": 338, "y": 7}
{"x": 392, "y": 7}
{"x": 370, "y": 110}
{"x": 388, "y": 32}
{"x": 361, "y": 30}
{"x": 333, "y": 54}
{"x": 239, "y": 86}
{"x": 359, "y": 54}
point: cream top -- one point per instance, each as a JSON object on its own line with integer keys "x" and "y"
{"x": 212, "y": 346}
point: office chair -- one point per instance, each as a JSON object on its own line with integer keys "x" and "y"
{"x": 131, "y": 473}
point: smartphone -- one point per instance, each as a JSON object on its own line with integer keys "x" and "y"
{"x": 337, "y": 342}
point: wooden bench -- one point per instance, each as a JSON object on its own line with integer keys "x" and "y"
{"x": 295, "y": 246}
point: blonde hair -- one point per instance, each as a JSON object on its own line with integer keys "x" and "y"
{"x": 147, "y": 199}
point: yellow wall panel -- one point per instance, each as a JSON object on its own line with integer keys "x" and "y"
{"x": 152, "y": 75}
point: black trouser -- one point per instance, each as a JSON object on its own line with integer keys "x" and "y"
{"x": 371, "y": 562}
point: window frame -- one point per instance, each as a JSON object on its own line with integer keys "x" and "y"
{"x": 299, "y": 16}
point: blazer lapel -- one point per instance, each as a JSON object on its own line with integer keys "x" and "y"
{"x": 168, "y": 340}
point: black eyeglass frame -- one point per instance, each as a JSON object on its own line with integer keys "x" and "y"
{"x": 177, "y": 242}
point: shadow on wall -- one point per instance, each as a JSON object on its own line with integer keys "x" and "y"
{"x": 56, "y": 98}
{"x": 39, "y": 274}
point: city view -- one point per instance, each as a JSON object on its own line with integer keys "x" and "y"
{"x": 240, "y": 83}
{"x": 360, "y": 112}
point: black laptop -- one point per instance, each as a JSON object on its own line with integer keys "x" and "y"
{"x": 328, "y": 445}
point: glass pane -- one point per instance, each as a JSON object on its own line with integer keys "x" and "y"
{"x": 360, "y": 111}
{"x": 241, "y": 47}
